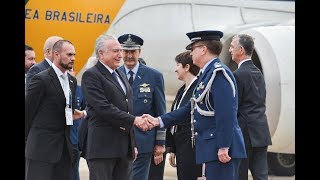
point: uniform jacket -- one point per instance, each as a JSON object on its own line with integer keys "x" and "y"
{"x": 110, "y": 132}
{"x": 45, "y": 123}
{"x": 35, "y": 69}
{"x": 148, "y": 98}
{"x": 220, "y": 130}
{"x": 80, "y": 104}
{"x": 252, "y": 105}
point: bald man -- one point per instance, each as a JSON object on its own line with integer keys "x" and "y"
{"x": 44, "y": 64}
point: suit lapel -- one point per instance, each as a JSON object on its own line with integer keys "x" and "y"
{"x": 56, "y": 81}
{"x": 108, "y": 75}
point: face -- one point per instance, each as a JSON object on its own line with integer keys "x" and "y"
{"x": 181, "y": 71}
{"x": 66, "y": 57}
{"x": 130, "y": 58}
{"x": 197, "y": 51}
{"x": 235, "y": 50}
{"x": 112, "y": 55}
{"x": 29, "y": 59}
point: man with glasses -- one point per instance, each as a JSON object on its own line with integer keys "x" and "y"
{"x": 216, "y": 134}
{"x": 111, "y": 145}
{"x": 148, "y": 98}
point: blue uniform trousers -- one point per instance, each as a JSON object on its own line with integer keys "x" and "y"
{"x": 140, "y": 167}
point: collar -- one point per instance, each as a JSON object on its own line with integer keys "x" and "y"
{"x": 207, "y": 64}
{"x": 48, "y": 61}
{"x": 134, "y": 70}
{"x": 243, "y": 62}
{"x": 109, "y": 69}
{"x": 58, "y": 71}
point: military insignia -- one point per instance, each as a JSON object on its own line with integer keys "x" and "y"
{"x": 145, "y": 101}
{"x": 201, "y": 86}
{"x": 129, "y": 41}
{"x": 217, "y": 64}
{"x": 145, "y": 87}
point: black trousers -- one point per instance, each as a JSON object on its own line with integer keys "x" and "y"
{"x": 110, "y": 169}
{"x": 156, "y": 171}
{"x": 39, "y": 170}
{"x": 256, "y": 162}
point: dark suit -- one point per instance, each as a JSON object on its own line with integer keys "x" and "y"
{"x": 46, "y": 132}
{"x": 253, "y": 120}
{"x": 35, "y": 69}
{"x": 110, "y": 143}
{"x": 218, "y": 130}
{"x": 180, "y": 141}
{"x": 148, "y": 98}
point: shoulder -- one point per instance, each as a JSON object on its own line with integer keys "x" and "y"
{"x": 151, "y": 70}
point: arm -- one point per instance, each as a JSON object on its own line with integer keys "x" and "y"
{"x": 32, "y": 71}
{"x": 32, "y": 101}
{"x": 160, "y": 108}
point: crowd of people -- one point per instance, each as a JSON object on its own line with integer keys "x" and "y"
{"x": 117, "y": 121}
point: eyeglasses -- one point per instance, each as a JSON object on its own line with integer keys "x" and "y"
{"x": 194, "y": 47}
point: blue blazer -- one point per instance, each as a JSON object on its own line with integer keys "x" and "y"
{"x": 148, "y": 98}
{"x": 220, "y": 130}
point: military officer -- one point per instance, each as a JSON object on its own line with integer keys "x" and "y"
{"x": 215, "y": 131}
{"x": 148, "y": 98}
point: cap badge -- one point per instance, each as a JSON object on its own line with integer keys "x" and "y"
{"x": 129, "y": 41}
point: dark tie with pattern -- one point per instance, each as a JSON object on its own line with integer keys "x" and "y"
{"x": 131, "y": 77}
{"x": 114, "y": 75}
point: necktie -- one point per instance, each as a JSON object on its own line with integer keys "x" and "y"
{"x": 131, "y": 77}
{"x": 114, "y": 75}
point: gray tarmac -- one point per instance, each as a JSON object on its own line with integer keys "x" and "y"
{"x": 169, "y": 172}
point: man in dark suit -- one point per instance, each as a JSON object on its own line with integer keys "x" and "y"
{"x": 148, "y": 98}
{"x": 214, "y": 125}
{"x": 44, "y": 64}
{"x": 49, "y": 107}
{"x": 251, "y": 109}
{"x": 110, "y": 142}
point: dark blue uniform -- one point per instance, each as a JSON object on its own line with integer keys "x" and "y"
{"x": 215, "y": 121}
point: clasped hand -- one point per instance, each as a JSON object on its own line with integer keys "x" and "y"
{"x": 146, "y": 122}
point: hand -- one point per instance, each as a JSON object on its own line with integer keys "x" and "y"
{"x": 153, "y": 122}
{"x": 223, "y": 155}
{"x": 77, "y": 114}
{"x": 141, "y": 123}
{"x": 135, "y": 153}
{"x": 158, "y": 159}
{"x": 172, "y": 160}
{"x": 159, "y": 149}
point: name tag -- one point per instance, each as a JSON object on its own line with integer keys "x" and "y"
{"x": 145, "y": 89}
{"x": 69, "y": 117}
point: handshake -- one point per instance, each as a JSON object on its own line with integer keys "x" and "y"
{"x": 146, "y": 122}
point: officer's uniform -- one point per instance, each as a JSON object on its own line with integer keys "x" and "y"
{"x": 148, "y": 98}
{"x": 213, "y": 110}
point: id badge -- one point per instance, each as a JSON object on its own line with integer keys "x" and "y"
{"x": 69, "y": 117}
{"x": 201, "y": 178}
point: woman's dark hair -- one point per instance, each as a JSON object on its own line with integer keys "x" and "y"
{"x": 185, "y": 58}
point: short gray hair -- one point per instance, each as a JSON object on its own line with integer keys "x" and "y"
{"x": 101, "y": 43}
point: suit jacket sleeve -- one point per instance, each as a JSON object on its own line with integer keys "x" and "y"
{"x": 160, "y": 107}
{"x": 32, "y": 71}
{"x": 32, "y": 101}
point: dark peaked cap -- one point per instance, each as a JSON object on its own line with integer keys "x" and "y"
{"x": 130, "y": 41}
{"x": 203, "y": 36}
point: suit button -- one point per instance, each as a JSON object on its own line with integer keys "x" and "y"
{"x": 201, "y": 102}
{"x": 195, "y": 133}
{"x": 194, "y": 121}
{"x": 211, "y": 134}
